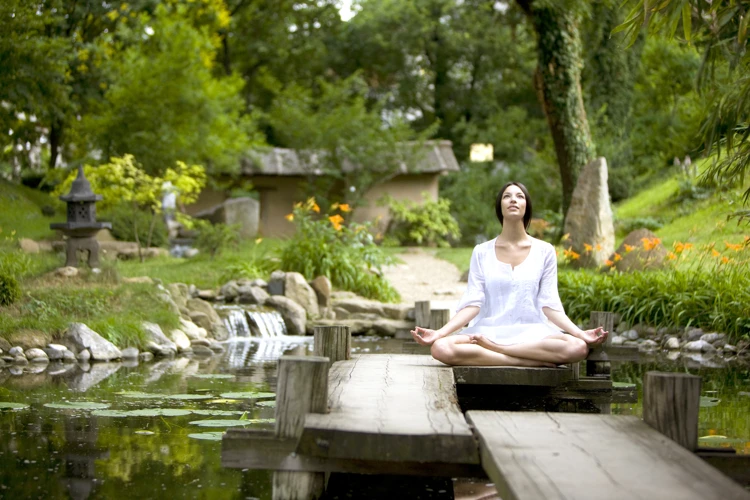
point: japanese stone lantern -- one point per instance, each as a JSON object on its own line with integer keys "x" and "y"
{"x": 81, "y": 226}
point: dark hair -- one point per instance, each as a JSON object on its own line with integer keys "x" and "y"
{"x": 498, "y": 203}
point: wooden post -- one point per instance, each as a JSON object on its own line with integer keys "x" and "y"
{"x": 606, "y": 320}
{"x": 670, "y": 405}
{"x": 332, "y": 342}
{"x": 422, "y": 313}
{"x": 439, "y": 317}
{"x": 302, "y": 388}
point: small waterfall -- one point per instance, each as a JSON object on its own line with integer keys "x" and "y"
{"x": 241, "y": 322}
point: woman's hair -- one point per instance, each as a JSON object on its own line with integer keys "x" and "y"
{"x": 498, "y": 203}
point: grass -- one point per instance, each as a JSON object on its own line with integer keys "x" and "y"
{"x": 22, "y": 212}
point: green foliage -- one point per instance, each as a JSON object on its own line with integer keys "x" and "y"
{"x": 129, "y": 224}
{"x": 429, "y": 223}
{"x": 214, "y": 238}
{"x": 10, "y": 290}
{"x": 346, "y": 254}
{"x": 625, "y": 226}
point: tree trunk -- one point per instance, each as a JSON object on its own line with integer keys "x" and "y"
{"x": 558, "y": 82}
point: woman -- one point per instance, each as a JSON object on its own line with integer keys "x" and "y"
{"x": 512, "y": 292}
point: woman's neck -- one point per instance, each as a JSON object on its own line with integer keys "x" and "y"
{"x": 513, "y": 232}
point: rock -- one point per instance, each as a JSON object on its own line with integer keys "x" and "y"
{"x": 207, "y": 295}
{"x": 200, "y": 319}
{"x": 360, "y": 305}
{"x": 297, "y": 289}
{"x": 630, "y": 342}
{"x": 145, "y": 356}
{"x": 589, "y": 219}
{"x": 673, "y": 343}
{"x": 162, "y": 350}
{"x": 82, "y": 381}
{"x": 216, "y": 347}
{"x": 699, "y": 346}
{"x": 28, "y": 246}
{"x": 199, "y": 305}
{"x": 244, "y": 212}
{"x": 192, "y": 330}
{"x": 276, "y": 283}
{"x": 130, "y": 353}
{"x": 202, "y": 350}
{"x": 713, "y": 337}
{"x": 15, "y": 351}
{"x": 639, "y": 258}
{"x": 203, "y": 342}
{"x": 79, "y": 337}
{"x": 398, "y": 311}
{"x": 20, "y": 361}
{"x": 180, "y": 339}
{"x": 67, "y": 272}
{"x": 730, "y": 349}
{"x": 252, "y": 295}
{"x": 179, "y": 293}
{"x": 341, "y": 313}
{"x": 393, "y": 327}
{"x": 36, "y": 355}
{"x": 69, "y": 356}
{"x": 322, "y": 288}
{"x": 4, "y": 345}
{"x": 155, "y": 337}
{"x": 191, "y": 252}
{"x": 219, "y": 331}
{"x": 230, "y": 291}
{"x": 259, "y": 283}
{"x": 55, "y": 351}
{"x": 692, "y": 334}
{"x": 294, "y": 314}
{"x": 145, "y": 280}
{"x": 648, "y": 345}
{"x": 84, "y": 355}
{"x": 618, "y": 340}
{"x": 631, "y": 335}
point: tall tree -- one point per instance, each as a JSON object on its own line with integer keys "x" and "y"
{"x": 558, "y": 79}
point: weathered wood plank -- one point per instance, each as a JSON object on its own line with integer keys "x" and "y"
{"x": 671, "y": 402}
{"x": 512, "y": 375}
{"x": 735, "y": 466}
{"x": 391, "y": 407}
{"x": 556, "y": 456}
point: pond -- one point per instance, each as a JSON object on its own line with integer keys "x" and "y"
{"x": 150, "y": 430}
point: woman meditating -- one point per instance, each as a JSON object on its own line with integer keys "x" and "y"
{"x": 512, "y": 288}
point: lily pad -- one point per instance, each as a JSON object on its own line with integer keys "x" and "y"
{"x": 208, "y": 436}
{"x": 231, "y": 423}
{"x": 213, "y": 375}
{"x": 140, "y": 395}
{"x": 719, "y": 440}
{"x": 109, "y": 413}
{"x": 623, "y": 385}
{"x": 159, "y": 412}
{"x": 186, "y": 397}
{"x": 144, "y": 433}
{"x": 217, "y": 413}
{"x": 267, "y": 404}
{"x": 78, "y": 405}
{"x": 708, "y": 402}
{"x": 248, "y": 395}
{"x": 743, "y": 393}
{"x": 6, "y": 405}
{"x": 224, "y": 401}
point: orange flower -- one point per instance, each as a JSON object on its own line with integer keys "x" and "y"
{"x": 289, "y": 217}
{"x": 344, "y": 207}
{"x": 714, "y": 252}
{"x": 574, "y": 255}
{"x": 315, "y": 208}
{"x": 650, "y": 243}
{"x": 598, "y": 247}
{"x": 671, "y": 256}
{"x": 571, "y": 254}
{"x": 587, "y": 247}
{"x": 724, "y": 260}
{"x": 336, "y": 220}
{"x": 609, "y": 263}
{"x": 629, "y": 248}
{"x": 258, "y": 240}
{"x": 618, "y": 257}
{"x": 736, "y": 247}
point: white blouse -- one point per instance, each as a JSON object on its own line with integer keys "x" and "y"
{"x": 511, "y": 298}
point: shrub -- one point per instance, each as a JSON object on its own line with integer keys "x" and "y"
{"x": 10, "y": 291}
{"x": 214, "y": 238}
{"x": 430, "y": 223}
{"x": 346, "y": 254}
{"x": 626, "y": 226}
{"x": 124, "y": 218}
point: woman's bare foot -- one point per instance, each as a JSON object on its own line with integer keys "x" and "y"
{"x": 483, "y": 341}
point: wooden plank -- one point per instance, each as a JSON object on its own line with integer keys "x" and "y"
{"x": 261, "y": 450}
{"x": 586, "y": 456}
{"x": 671, "y": 402}
{"x": 735, "y": 466}
{"x": 391, "y": 407}
{"x": 512, "y": 375}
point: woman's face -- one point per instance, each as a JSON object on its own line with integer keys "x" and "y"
{"x": 513, "y": 203}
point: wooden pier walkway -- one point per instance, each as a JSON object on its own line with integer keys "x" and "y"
{"x": 398, "y": 414}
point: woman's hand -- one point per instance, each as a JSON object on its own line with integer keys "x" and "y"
{"x": 424, "y": 336}
{"x": 594, "y": 337}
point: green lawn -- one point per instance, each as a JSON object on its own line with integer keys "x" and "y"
{"x": 22, "y": 212}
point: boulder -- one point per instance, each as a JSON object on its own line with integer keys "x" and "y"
{"x": 201, "y": 319}
{"x": 249, "y": 294}
{"x": 55, "y": 351}
{"x": 28, "y": 246}
{"x": 672, "y": 343}
{"x": 203, "y": 342}
{"x": 276, "y": 283}
{"x": 192, "y": 330}
{"x": 297, "y": 289}
{"x": 219, "y": 332}
{"x": 4, "y": 345}
{"x": 730, "y": 349}
{"x": 360, "y": 305}
{"x": 15, "y": 351}
{"x": 618, "y": 340}
{"x": 36, "y": 355}
{"x": 589, "y": 219}
{"x": 393, "y": 327}
{"x": 295, "y": 317}
{"x": 20, "y": 360}
{"x": 711, "y": 338}
{"x": 258, "y": 282}
{"x": 322, "y": 288}
{"x": 130, "y": 353}
{"x": 67, "y": 272}
{"x": 145, "y": 356}
{"x": 631, "y": 335}
{"x": 79, "y": 337}
{"x": 68, "y": 356}
{"x": 155, "y": 337}
{"x": 82, "y": 381}
{"x": 200, "y": 305}
{"x": 642, "y": 255}
{"x": 143, "y": 280}
{"x": 180, "y": 339}
{"x": 699, "y": 346}
{"x": 201, "y": 350}
{"x": 229, "y": 291}
{"x": 207, "y": 295}
{"x": 693, "y": 334}
{"x": 84, "y": 355}
{"x": 648, "y": 345}
{"x": 244, "y": 212}
{"x": 179, "y": 293}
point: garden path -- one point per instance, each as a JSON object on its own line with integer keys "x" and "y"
{"x": 422, "y": 276}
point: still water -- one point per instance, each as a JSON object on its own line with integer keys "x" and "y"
{"x": 152, "y": 430}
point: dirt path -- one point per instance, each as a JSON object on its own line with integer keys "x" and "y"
{"x": 422, "y": 276}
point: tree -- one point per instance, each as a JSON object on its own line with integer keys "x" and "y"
{"x": 720, "y": 28}
{"x": 558, "y": 79}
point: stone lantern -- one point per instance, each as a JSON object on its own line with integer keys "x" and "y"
{"x": 81, "y": 226}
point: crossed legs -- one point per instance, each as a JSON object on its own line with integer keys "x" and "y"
{"x": 477, "y": 350}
